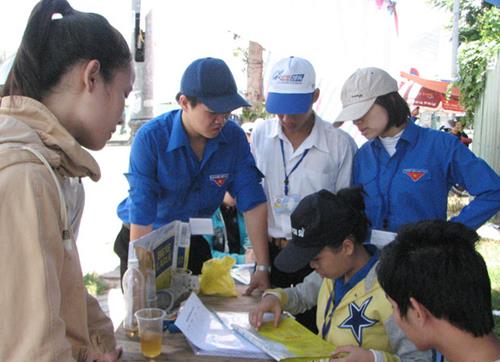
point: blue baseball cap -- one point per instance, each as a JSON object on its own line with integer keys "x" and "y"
{"x": 291, "y": 86}
{"x": 211, "y": 81}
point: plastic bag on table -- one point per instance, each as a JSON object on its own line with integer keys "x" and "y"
{"x": 216, "y": 278}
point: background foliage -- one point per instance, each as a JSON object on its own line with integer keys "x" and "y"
{"x": 94, "y": 284}
{"x": 479, "y": 36}
{"x": 250, "y": 114}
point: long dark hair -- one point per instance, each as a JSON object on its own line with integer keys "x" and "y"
{"x": 396, "y": 108}
{"x": 58, "y": 37}
{"x": 353, "y": 197}
{"x": 351, "y": 220}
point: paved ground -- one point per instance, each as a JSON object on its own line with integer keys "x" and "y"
{"x": 100, "y": 225}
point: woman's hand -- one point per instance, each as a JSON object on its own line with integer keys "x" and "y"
{"x": 352, "y": 354}
{"x": 270, "y": 303}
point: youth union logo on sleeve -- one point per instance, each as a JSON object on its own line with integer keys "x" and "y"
{"x": 219, "y": 179}
{"x": 415, "y": 174}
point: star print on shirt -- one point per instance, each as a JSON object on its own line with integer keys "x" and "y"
{"x": 357, "y": 320}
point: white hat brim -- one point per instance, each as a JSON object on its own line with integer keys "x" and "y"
{"x": 355, "y": 111}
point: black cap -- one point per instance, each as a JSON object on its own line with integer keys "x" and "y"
{"x": 320, "y": 219}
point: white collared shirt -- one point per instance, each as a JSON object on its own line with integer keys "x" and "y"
{"x": 327, "y": 165}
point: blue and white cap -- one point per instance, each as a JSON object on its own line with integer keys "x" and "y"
{"x": 291, "y": 86}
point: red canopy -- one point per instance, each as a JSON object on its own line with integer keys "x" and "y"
{"x": 430, "y": 93}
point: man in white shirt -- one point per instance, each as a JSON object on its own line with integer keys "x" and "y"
{"x": 298, "y": 153}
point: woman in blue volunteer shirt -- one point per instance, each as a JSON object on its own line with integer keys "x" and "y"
{"x": 183, "y": 161}
{"x": 406, "y": 170}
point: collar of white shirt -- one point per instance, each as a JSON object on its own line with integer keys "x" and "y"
{"x": 315, "y": 139}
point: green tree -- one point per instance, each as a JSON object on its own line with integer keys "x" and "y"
{"x": 479, "y": 36}
{"x": 257, "y": 110}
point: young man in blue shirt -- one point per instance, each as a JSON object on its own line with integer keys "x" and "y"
{"x": 182, "y": 162}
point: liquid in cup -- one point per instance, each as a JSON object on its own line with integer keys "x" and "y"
{"x": 150, "y": 344}
{"x": 150, "y": 322}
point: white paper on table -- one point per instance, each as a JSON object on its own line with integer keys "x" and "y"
{"x": 201, "y": 226}
{"x": 205, "y": 330}
{"x": 240, "y": 319}
{"x": 381, "y": 238}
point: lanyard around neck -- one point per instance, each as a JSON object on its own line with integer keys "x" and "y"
{"x": 386, "y": 201}
{"x": 327, "y": 322}
{"x": 287, "y": 176}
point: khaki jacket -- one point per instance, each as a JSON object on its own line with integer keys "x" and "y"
{"x": 47, "y": 314}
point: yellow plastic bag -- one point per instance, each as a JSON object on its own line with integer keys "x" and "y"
{"x": 216, "y": 278}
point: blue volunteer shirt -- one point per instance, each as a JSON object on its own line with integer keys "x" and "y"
{"x": 413, "y": 184}
{"x": 342, "y": 288}
{"x": 168, "y": 182}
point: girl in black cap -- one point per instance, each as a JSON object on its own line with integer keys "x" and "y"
{"x": 353, "y": 313}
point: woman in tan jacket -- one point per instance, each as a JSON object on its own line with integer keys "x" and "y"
{"x": 64, "y": 93}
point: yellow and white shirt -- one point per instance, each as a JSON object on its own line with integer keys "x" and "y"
{"x": 362, "y": 317}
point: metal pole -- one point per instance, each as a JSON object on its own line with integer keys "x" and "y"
{"x": 454, "y": 40}
{"x": 136, "y": 6}
{"x": 141, "y": 109}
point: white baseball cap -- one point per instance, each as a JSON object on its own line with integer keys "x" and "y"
{"x": 291, "y": 86}
{"x": 361, "y": 90}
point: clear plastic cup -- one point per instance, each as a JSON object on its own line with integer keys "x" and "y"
{"x": 150, "y": 322}
{"x": 183, "y": 281}
{"x": 180, "y": 279}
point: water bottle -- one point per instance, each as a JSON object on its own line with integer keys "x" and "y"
{"x": 150, "y": 282}
{"x": 134, "y": 293}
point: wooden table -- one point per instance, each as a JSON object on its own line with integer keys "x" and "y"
{"x": 175, "y": 346}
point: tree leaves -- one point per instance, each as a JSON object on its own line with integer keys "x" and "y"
{"x": 479, "y": 34}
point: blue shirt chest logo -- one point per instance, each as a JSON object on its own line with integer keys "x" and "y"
{"x": 415, "y": 174}
{"x": 219, "y": 179}
{"x": 357, "y": 320}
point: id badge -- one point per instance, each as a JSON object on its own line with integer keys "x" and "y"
{"x": 285, "y": 204}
